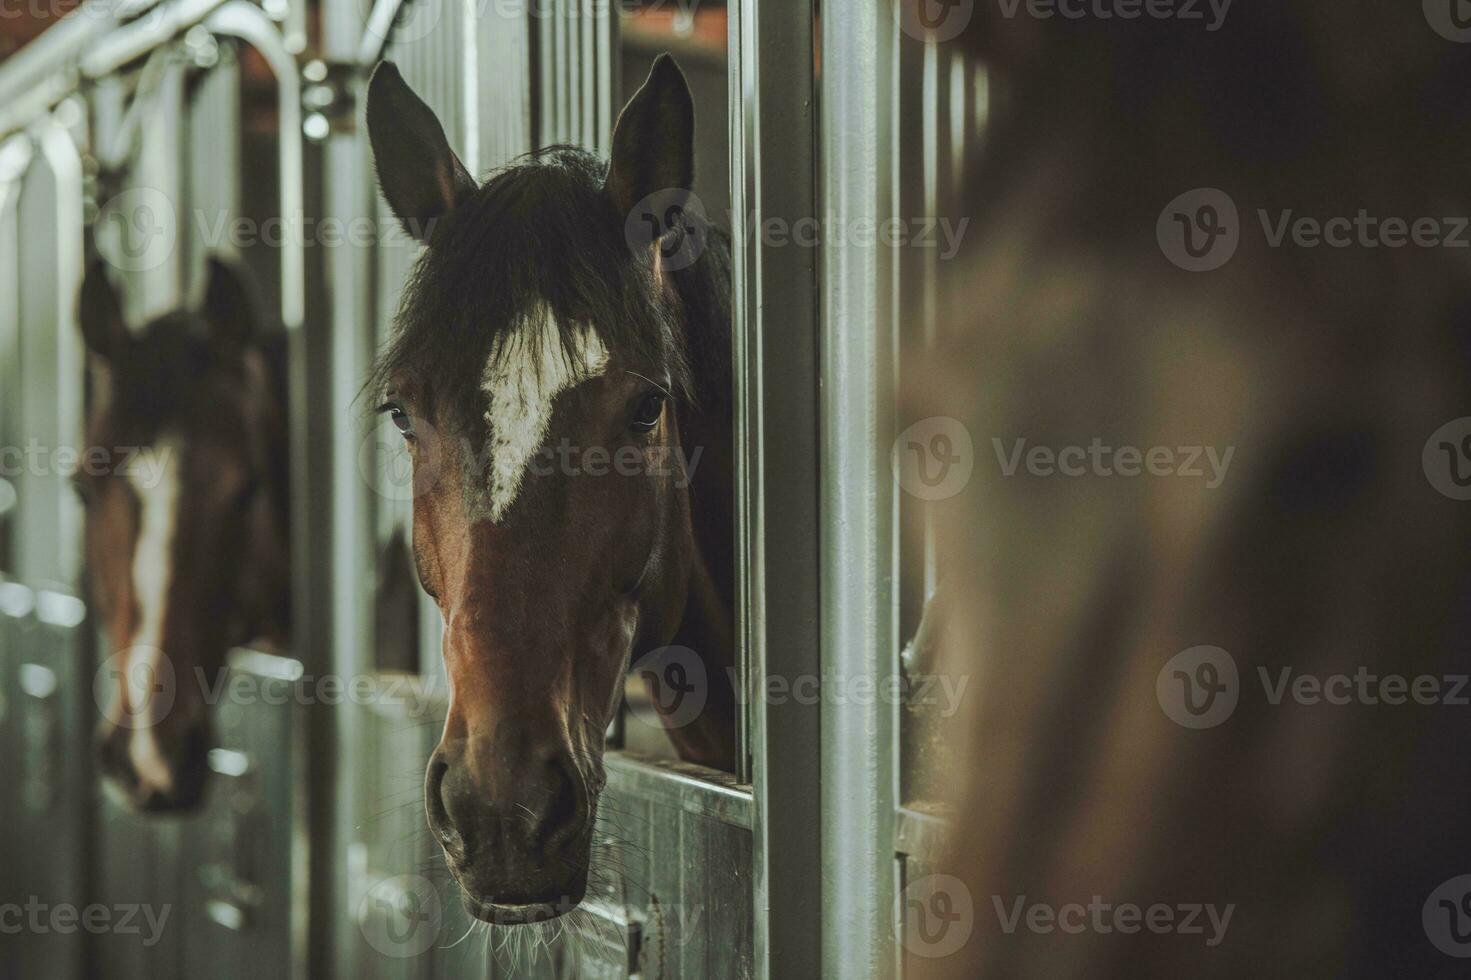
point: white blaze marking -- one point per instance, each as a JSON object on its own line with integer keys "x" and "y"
{"x": 526, "y": 371}
{"x": 155, "y": 478}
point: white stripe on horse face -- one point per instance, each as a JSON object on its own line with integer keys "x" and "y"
{"x": 526, "y": 371}
{"x": 154, "y": 477}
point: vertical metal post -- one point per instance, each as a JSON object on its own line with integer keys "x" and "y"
{"x": 160, "y": 288}
{"x": 310, "y": 427}
{"x": 15, "y": 156}
{"x": 48, "y": 537}
{"x": 347, "y": 193}
{"x": 773, "y": 116}
{"x": 859, "y": 614}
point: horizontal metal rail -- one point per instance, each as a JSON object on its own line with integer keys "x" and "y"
{"x": 378, "y": 30}
{"x": 96, "y": 39}
{"x": 690, "y": 789}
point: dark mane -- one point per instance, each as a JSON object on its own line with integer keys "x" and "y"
{"x": 704, "y": 291}
{"x": 170, "y": 379}
{"x": 158, "y": 375}
{"x": 540, "y": 231}
{"x": 168, "y": 376}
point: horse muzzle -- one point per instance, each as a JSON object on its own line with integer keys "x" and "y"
{"x": 516, "y": 829}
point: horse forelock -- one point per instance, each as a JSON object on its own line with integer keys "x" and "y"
{"x": 529, "y": 288}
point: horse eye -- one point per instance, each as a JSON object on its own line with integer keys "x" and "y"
{"x": 401, "y": 419}
{"x": 650, "y": 410}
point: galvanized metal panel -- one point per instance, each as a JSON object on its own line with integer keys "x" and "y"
{"x": 49, "y": 702}
{"x": 576, "y": 72}
{"x": 212, "y": 149}
{"x": 684, "y": 859}
{"x": 137, "y": 864}
{"x": 15, "y": 156}
{"x": 859, "y": 634}
{"x": 774, "y": 166}
{"x": 50, "y": 213}
{"x": 245, "y": 854}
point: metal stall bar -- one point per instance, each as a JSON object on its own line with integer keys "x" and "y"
{"x": 352, "y": 44}
{"x": 46, "y": 538}
{"x": 860, "y": 734}
{"x": 576, "y": 72}
{"x": 773, "y": 149}
{"x": 47, "y": 678}
{"x": 140, "y": 859}
{"x": 44, "y": 71}
{"x": 15, "y": 156}
{"x": 246, "y": 21}
{"x": 91, "y": 42}
{"x": 310, "y": 426}
{"x": 16, "y": 601}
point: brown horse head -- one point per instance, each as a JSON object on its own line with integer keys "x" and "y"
{"x": 183, "y": 481}
{"x": 544, "y": 375}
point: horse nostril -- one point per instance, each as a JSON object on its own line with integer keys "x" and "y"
{"x": 565, "y": 814}
{"x": 439, "y": 820}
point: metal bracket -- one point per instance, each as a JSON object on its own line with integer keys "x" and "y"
{"x": 329, "y": 98}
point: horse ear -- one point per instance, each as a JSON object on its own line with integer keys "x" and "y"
{"x": 654, "y": 141}
{"x": 100, "y": 312}
{"x": 230, "y": 302}
{"x": 421, "y": 177}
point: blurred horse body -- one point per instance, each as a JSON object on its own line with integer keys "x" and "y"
{"x": 1325, "y": 552}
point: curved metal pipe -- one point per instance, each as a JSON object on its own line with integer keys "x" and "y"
{"x": 246, "y": 21}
